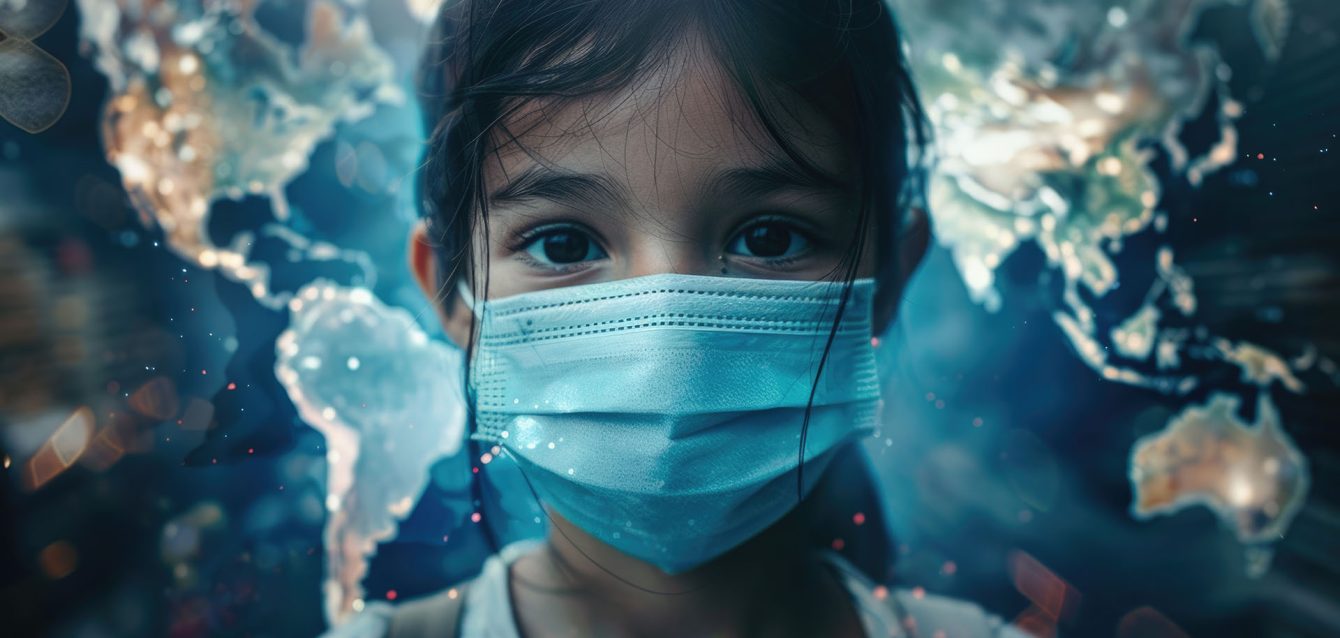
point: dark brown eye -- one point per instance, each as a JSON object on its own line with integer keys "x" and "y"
{"x": 566, "y": 247}
{"x": 769, "y": 239}
{"x": 562, "y": 246}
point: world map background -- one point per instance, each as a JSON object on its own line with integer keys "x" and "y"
{"x": 1261, "y": 259}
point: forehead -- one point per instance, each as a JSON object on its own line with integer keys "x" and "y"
{"x": 675, "y": 125}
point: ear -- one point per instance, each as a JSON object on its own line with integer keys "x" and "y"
{"x": 451, "y": 310}
{"x": 914, "y": 237}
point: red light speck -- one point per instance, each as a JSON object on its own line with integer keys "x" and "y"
{"x": 390, "y": 594}
{"x": 858, "y": 518}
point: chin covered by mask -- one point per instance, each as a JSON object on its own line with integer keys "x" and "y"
{"x": 664, "y": 414}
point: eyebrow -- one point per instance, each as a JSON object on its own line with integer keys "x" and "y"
{"x": 596, "y": 190}
{"x": 776, "y": 175}
{"x": 573, "y": 189}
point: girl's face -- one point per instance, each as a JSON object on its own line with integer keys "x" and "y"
{"x": 672, "y": 175}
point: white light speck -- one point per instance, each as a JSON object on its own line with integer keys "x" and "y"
{"x": 1116, "y": 16}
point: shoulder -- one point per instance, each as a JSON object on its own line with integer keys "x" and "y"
{"x": 422, "y": 617}
{"x": 906, "y": 612}
{"x": 932, "y": 615}
{"x": 454, "y": 611}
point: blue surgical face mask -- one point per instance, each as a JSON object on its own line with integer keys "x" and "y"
{"x": 663, "y": 414}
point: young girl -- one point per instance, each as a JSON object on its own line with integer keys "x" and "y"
{"x": 666, "y": 233}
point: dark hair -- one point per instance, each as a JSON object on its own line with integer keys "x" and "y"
{"x": 487, "y": 59}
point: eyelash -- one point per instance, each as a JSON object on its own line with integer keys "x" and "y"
{"x": 526, "y": 238}
{"x": 792, "y": 226}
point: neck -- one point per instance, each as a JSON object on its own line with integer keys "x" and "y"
{"x": 770, "y": 580}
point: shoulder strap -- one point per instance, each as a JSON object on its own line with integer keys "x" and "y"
{"x": 436, "y": 616}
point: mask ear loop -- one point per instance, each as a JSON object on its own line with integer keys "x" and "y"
{"x": 475, "y": 442}
{"x": 469, "y": 299}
